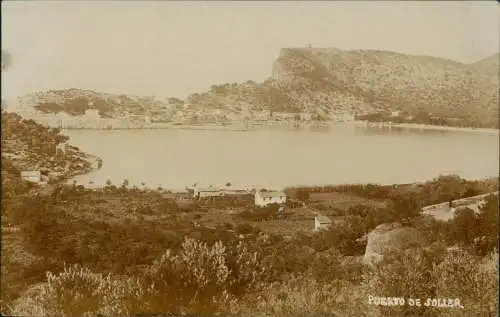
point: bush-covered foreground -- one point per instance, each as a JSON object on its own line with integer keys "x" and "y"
{"x": 205, "y": 280}
{"x": 125, "y": 252}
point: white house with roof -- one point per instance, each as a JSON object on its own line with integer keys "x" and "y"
{"x": 321, "y": 222}
{"x": 264, "y": 198}
{"x": 203, "y": 192}
{"x": 32, "y": 176}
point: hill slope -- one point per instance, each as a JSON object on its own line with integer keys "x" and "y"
{"x": 75, "y": 101}
{"x": 489, "y": 65}
{"x": 27, "y": 145}
{"x": 319, "y": 81}
{"x": 392, "y": 81}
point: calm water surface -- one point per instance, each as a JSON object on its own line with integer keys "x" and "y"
{"x": 176, "y": 158}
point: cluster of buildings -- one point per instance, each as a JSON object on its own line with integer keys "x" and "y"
{"x": 262, "y": 198}
{"x": 212, "y": 191}
{"x": 90, "y": 120}
{"x": 184, "y": 114}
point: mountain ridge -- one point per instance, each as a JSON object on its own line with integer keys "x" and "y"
{"x": 322, "y": 81}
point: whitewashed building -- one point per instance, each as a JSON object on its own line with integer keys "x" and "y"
{"x": 32, "y": 176}
{"x": 321, "y": 222}
{"x": 262, "y": 115}
{"x": 264, "y": 198}
{"x": 305, "y": 116}
{"x": 284, "y": 115}
{"x": 207, "y": 192}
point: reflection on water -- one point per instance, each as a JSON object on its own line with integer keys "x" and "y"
{"x": 276, "y": 158}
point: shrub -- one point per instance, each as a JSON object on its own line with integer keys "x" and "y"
{"x": 303, "y": 296}
{"x": 201, "y": 279}
{"x": 402, "y": 274}
{"x": 79, "y": 292}
{"x": 244, "y": 228}
{"x": 474, "y": 281}
{"x": 247, "y": 272}
{"x": 326, "y": 266}
{"x": 261, "y": 213}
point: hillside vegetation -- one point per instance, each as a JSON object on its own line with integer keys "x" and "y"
{"x": 75, "y": 101}
{"x": 127, "y": 252}
{"x": 321, "y": 82}
{"x": 26, "y": 145}
{"x": 393, "y": 81}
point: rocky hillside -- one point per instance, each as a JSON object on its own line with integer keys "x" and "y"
{"x": 318, "y": 81}
{"x": 392, "y": 81}
{"x": 27, "y": 145}
{"x": 490, "y": 65}
{"x": 75, "y": 101}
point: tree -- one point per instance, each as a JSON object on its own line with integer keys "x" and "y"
{"x": 303, "y": 194}
{"x": 449, "y": 187}
{"x": 487, "y": 226}
{"x": 405, "y": 206}
{"x": 463, "y": 226}
{"x": 6, "y": 60}
{"x": 125, "y": 183}
{"x": 422, "y": 117}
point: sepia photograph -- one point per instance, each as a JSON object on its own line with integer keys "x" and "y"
{"x": 250, "y": 158}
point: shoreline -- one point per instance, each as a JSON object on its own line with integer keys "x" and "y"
{"x": 96, "y": 185}
{"x": 429, "y": 127}
{"x": 95, "y": 165}
{"x": 238, "y": 127}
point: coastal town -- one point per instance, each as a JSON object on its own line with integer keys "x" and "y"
{"x": 82, "y": 109}
{"x": 166, "y": 115}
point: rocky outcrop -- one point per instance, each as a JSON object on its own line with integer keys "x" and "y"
{"x": 27, "y": 145}
{"x": 393, "y": 81}
{"x": 390, "y": 237}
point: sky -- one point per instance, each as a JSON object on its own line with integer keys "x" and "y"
{"x": 176, "y": 48}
